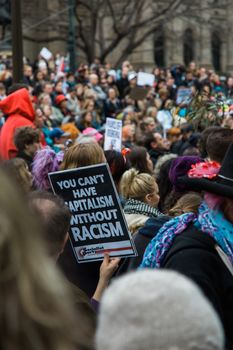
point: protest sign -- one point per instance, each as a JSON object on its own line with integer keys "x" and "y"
{"x": 113, "y": 133}
{"x": 138, "y": 93}
{"x": 183, "y": 96}
{"x": 145, "y": 79}
{"x": 97, "y": 224}
{"x": 46, "y": 54}
{"x": 164, "y": 117}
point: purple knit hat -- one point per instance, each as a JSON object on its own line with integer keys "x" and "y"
{"x": 180, "y": 167}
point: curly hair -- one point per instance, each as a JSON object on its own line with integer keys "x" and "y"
{"x": 25, "y": 136}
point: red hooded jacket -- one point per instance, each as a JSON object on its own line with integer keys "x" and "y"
{"x": 20, "y": 113}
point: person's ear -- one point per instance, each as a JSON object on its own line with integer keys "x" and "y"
{"x": 148, "y": 198}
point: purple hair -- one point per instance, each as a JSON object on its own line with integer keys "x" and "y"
{"x": 45, "y": 161}
{"x": 180, "y": 167}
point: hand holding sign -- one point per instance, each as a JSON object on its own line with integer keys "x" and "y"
{"x": 107, "y": 269}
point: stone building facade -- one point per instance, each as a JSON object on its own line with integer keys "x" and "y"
{"x": 206, "y": 37}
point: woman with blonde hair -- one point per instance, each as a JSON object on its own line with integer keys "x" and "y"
{"x": 36, "y": 307}
{"x": 82, "y": 154}
{"x": 142, "y": 197}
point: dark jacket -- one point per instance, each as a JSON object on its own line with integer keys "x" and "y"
{"x": 85, "y": 314}
{"x": 85, "y": 276}
{"x": 193, "y": 254}
{"x": 155, "y": 154}
{"x": 111, "y": 109}
{"x": 141, "y": 239}
{"x": 180, "y": 146}
{"x": 28, "y": 159}
{"x": 122, "y": 84}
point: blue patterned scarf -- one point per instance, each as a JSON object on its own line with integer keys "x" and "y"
{"x": 210, "y": 222}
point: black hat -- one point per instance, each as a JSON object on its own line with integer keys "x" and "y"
{"x": 221, "y": 185}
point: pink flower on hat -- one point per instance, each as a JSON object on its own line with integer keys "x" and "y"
{"x": 207, "y": 170}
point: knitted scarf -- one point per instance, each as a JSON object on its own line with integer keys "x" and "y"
{"x": 210, "y": 221}
{"x": 133, "y": 206}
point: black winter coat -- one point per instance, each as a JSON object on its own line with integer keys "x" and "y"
{"x": 141, "y": 240}
{"x": 85, "y": 276}
{"x": 193, "y": 254}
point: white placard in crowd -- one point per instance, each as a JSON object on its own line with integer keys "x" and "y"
{"x": 97, "y": 224}
{"x": 46, "y": 54}
{"x": 164, "y": 117}
{"x": 113, "y": 135}
{"x": 145, "y": 79}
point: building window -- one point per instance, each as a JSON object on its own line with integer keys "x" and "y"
{"x": 188, "y": 47}
{"x": 159, "y": 47}
{"x": 216, "y": 46}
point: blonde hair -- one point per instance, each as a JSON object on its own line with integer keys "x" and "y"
{"x": 82, "y": 154}
{"x": 36, "y": 307}
{"x": 136, "y": 185}
{"x": 187, "y": 203}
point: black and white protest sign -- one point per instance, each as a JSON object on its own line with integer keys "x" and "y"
{"x": 113, "y": 131}
{"x": 97, "y": 225}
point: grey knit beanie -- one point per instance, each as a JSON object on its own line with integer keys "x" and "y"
{"x": 157, "y": 310}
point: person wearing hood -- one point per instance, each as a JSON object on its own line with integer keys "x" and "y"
{"x": 19, "y": 112}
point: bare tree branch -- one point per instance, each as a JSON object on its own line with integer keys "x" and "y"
{"x": 129, "y": 23}
{"x": 86, "y": 43}
{"x": 114, "y": 19}
{"x": 124, "y": 9}
{"x": 83, "y": 4}
{"x": 153, "y": 20}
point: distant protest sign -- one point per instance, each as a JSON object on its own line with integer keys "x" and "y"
{"x": 183, "y": 96}
{"x": 113, "y": 131}
{"x": 97, "y": 225}
{"x": 145, "y": 79}
{"x": 46, "y": 54}
{"x": 138, "y": 93}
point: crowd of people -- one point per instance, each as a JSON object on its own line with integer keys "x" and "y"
{"x": 174, "y": 179}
